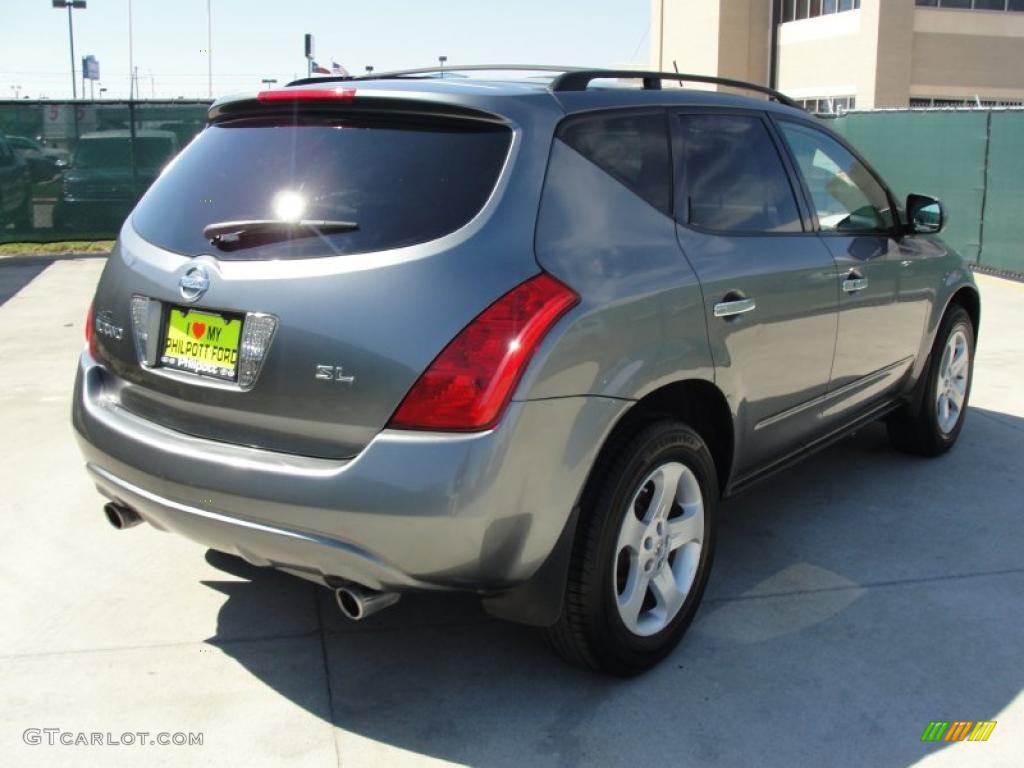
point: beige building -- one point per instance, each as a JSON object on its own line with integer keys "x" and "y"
{"x": 840, "y": 54}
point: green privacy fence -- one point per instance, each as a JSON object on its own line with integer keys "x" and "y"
{"x": 972, "y": 160}
{"x": 72, "y": 170}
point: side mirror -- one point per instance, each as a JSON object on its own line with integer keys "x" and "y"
{"x": 925, "y": 215}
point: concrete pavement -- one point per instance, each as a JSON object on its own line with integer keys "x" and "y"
{"x": 854, "y": 599}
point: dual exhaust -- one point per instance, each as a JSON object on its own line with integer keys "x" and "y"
{"x": 353, "y": 601}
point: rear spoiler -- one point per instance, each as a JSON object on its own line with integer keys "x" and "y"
{"x": 340, "y": 100}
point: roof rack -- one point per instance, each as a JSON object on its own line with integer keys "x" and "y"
{"x": 400, "y": 73}
{"x": 579, "y": 79}
{"x": 565, "y": 78}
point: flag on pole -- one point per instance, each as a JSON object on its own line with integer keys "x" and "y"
{"x": 337, "y": 69}
{"x": 318, "y": 70}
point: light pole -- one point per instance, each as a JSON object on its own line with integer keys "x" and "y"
{"x": 17, "y": 91}
{"x": 102, "y": 91}
{"x": 71, "y": 4}
{"x": 369, "y": 69}
{"x": 269, "y": 81}
{"x": 442, "y": 60}
{"x": 209, "y": 51}
{"x": 131, "y": 62}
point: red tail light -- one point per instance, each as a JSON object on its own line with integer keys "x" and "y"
{"x": 90, "y": 332}
{"x": 469, "y": 384}
{"x": 308, "y": 94}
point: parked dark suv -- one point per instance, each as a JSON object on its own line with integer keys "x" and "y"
{"x": 419, "y": 332}
{"x": 108, "y": 173}
{"x": 15, "y": 188}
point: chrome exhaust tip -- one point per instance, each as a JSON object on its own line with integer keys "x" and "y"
{"x": 120, "y": 516}
{"x": 358, "y": 603}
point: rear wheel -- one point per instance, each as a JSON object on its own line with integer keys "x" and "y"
{"x": 932, "y": 422}
{"x": 643, "y": 551}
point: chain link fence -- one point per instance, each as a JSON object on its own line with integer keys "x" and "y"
{"x": 73, "y": 170}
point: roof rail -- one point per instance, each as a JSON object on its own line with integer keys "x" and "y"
{"x": 399, "y": 73}
{"x": 579, "y": 79}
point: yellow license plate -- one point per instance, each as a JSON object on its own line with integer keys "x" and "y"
{"x": 202, "y": 342}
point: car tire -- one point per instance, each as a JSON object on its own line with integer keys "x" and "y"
{"x": 627, "y": 542}
{"x": 930, "y": 424}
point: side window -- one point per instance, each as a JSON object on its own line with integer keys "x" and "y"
{"x": 846, "y": 196}
{"x": 730, "y": 176}
{"x": 632, "y": 148}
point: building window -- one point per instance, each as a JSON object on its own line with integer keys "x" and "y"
{"x": 794, "y": 10}
{"x": 927, "y": 103}
{"x": 832, "y": 105}
{"x": 974, "y": 5}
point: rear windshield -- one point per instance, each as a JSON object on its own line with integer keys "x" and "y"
{"x": 400, "y": 183}
{"x": 115, "y": 152}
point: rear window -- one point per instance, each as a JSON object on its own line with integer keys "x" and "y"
{"x": 400, "y": 183}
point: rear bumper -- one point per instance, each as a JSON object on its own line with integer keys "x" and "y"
{"x": 476, "y": 512}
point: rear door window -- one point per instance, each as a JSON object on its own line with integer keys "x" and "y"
{"x": 632, "y": 148}
{"x": 730, "y": 177}
{"x": 400, "y": 183}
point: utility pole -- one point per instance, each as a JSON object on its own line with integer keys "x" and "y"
{"x": 442, "y": 60}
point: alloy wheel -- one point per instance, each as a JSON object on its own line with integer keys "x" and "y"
{"x": 658, "y": 549}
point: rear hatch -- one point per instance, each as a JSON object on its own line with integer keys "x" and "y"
{"x": 289, "y": 276}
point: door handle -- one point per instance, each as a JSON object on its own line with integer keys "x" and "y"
{"x": 734, "y": 307}
{"x": 854, "y": 282}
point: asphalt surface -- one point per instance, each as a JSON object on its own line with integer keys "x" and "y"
{"x": 854, "y": 599}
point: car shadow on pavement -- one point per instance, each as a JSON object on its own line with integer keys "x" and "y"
{"x": 854, "y": 599}
{"x": 16, "y": 275}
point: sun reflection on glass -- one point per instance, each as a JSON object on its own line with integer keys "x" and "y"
{"x": 289, "y": 205}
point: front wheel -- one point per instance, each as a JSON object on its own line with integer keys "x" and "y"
{"x": 643, "y": 551}
{"x": 931, "y": 424}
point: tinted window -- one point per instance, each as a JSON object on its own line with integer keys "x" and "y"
{"x": 731, "y": 177}
{"x": 150, "y": 152}
{"x": 633, "y": 148}
{"x": 401, "y": 183}
{"x": 846, "y": 196}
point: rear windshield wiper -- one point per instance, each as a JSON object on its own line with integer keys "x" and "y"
{"x": 233, "y": 235}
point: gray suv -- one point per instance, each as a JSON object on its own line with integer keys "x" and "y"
{"x": 514, "y": 336}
